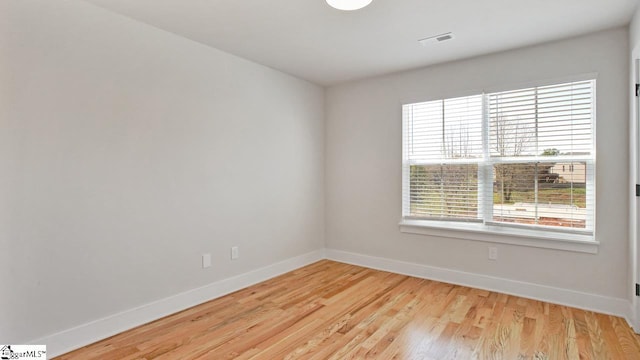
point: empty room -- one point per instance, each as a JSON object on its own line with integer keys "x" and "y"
{"x": 319, "y": 179}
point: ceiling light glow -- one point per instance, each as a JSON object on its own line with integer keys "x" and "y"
{"x": 348, "y": 4}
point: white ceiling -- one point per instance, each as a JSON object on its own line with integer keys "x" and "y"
{"x": 313, "y": 41}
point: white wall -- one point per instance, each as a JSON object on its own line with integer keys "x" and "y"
{"x": 363, "y": 164}
{"x": 634, "y": 30}
{"x": 126, "y": 152}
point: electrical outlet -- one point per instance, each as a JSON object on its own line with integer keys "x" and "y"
{"x": 206, "y": 261}
{"x": 235, "y": 253}
{"x": 493, "y": 253}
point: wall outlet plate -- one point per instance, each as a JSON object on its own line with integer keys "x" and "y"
{"x": 235, "y": 253}
{"x": 206, "y": 261}
{"x": 493, "y": 253}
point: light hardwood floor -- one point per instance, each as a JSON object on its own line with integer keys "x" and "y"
{"x": 330, "y": 310}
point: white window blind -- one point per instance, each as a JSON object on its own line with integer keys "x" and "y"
{"x": 442, "y": 152}
{"x": 514, "y": 158}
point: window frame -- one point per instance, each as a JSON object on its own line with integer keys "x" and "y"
{"x": 552, "y": 237}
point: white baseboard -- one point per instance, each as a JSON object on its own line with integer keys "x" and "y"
{"x": 632, "y": 317}
{"x": 77, "y": 337}
{"x": 586, "y": 301}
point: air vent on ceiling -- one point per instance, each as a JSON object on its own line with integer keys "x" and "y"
{"x": 436, "y": 39}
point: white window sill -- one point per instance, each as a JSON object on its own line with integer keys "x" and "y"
{"x": 503, "y": 235}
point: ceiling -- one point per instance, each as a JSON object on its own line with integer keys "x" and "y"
{"x": 313, "y": 41}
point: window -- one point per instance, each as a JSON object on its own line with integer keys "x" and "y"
{"x": 523, "y": 158}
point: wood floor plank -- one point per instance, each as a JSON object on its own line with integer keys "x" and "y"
{"x": 331, "y": 310}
